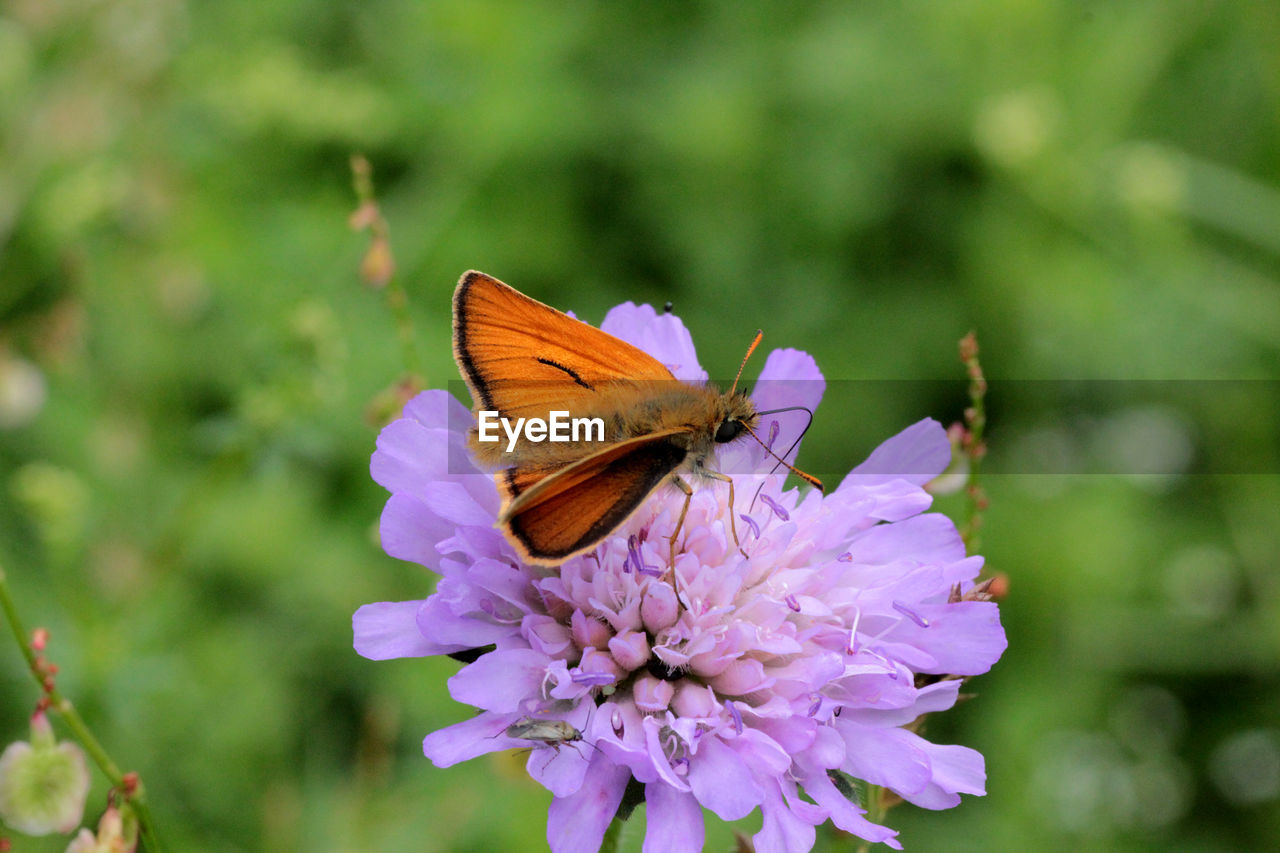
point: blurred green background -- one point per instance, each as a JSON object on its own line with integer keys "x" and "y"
{"x": 187, "y": 356}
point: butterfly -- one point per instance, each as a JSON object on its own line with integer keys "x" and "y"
{"x": 526, "y": 363}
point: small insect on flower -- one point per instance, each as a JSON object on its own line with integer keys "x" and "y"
{"x": 528, "y": 364}
{"x": 551, "y": 734}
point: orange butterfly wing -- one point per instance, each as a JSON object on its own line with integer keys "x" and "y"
{"x": 552, "y": 515}
{"x": 522, "y": 358}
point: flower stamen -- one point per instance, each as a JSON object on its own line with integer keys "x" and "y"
{"x": 777, "y": 508}
{"x": 910, "y": 614}
{"x": 735, "y": 714}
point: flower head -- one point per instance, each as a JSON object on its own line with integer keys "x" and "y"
{"x": 43, "y": 784}
{"x": 738, "y": 677}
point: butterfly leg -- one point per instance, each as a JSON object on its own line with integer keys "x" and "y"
{"x": 688, "y": 496}
{"x": 733, "y": 524}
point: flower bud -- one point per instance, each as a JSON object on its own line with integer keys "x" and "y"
{"x": 594, "y": 668}
{"x": 546, "y": 635}
{"x": 652, "y": 694}
{"x": 741, "y": 677}
{"x": 659, "y": 609}
{"x": 630, "y": 649}
{"x": 695, "y": 700}
{"x": 43, "y": 784}
{"x": 110, "y": 837}
{"x": 589, "y": 632}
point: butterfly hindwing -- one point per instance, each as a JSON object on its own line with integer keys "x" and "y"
{"x": 552, "y": 516}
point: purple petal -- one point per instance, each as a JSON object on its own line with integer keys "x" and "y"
{"x": 560, "y": 769}
{"x": 577, "y": 823}
{"x": 389, "y": 629}
{"x": 721, "y": 780}
{"x": 741, "y": 677}
{"x": 503, "y": 580}
{"x": 762, "y": 753}
{"x": 895, "y": 500}
{"x": 783, "y": 831}
{"x": 929, "y": 699}
{"x": 481, "y": 734}
{"x": 917, "y": 454}
{"x": 436, "y": 409}
{"x": 789, "y": 378}
{"x": 410, "y": 531}
{"x": 658, "y": 757}
{"x": 662, "y": 336}
{"x": 930, "y": 538}
{"x": 500, "y": 680}
{"x": 453, "y": 631}
{"x": 452, "y": 502}
{"x": 673, "y": 820}
{"x": 618, "y": 731}
{"x": 888, "y": 757}
{"x": 845, "y": 814}
{"x": 964, "y": 638}
{"x": 414, "y": 453}
{"x": 955, "y": 769}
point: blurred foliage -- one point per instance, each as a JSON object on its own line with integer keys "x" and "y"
{"x": 186, "y": 355}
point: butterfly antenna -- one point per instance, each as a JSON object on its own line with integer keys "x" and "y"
{"x": 808, "y": 478}
{"x": 755, "y": 343}
{"x": 799, "y": 438}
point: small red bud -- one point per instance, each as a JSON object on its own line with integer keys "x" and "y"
{"x": 130, "y": 783}
{"x": 39, "y": 639}
{"x": 5, "y": 845}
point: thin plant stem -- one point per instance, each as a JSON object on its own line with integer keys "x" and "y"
{"x": 975, "y": 417}
{"x": 63, "y": 707}
{"x": 379, "y": 268}
{"x": 398, "y": 302}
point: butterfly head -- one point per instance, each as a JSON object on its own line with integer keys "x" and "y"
{"x": 736, "y": 415}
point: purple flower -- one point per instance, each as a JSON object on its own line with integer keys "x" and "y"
{"x": 747, "y": 689}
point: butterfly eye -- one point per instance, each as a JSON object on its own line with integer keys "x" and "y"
{"x": 728, "y": 431}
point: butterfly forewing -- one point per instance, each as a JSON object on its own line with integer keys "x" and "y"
{"x": 522, "y": 358}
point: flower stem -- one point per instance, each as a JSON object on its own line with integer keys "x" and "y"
{"x": 975, "y": 417}
{"x": 379, "y": 268}
{"x": 398, "y": 301}
{"x": 60, "y": 704}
